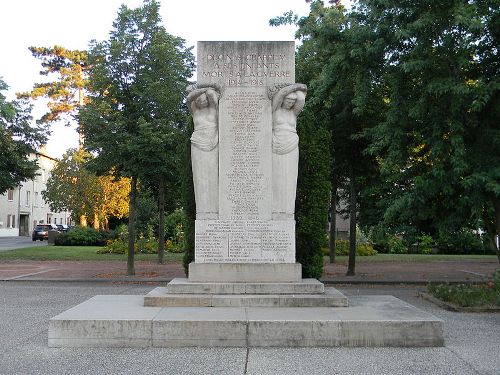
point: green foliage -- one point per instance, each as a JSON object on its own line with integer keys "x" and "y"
{"x": 65, "y": 94}
{"x": 175, "y": 224}
{"x": 18, "y": 139}
{"x": 342, "y": 249}
{"x": 425, "y": 244}
{"x": 396, "y": 245}
{"x": 81, "y": 236}
{"x": 365, "y": 250}
{"x": 188, "y": 199}
{"x": 463, "y": 241}
{"x": 464, "y": 295}
{"x": 72, "y": 187}
{"x": 438, "y": 143}
{"x": 313, "y": 194}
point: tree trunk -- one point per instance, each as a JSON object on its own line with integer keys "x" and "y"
{"x": 161, "y": 223}
{"x": 333, "y": 223}
{"x": 83, "y": 221}
{"x": 495, "y": 236}
{"x": 352, "y": 225}
{"x": 96, "y": 221}
{"x": 81, "y": 102}
{"x": 131, "y": 227}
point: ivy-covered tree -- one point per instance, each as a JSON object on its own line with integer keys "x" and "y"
{"x": 135, "y": 112}
{"x": 18, "y": 139}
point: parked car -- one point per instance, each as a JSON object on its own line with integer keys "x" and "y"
{"x": 41, "y": 231}
{"x": 62, "y": 227}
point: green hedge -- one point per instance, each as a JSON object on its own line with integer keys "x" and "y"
{"x": 81, "y": 236}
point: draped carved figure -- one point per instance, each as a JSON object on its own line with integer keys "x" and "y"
{"x": 203, "y": 102}
{"x": 287, "y": 103}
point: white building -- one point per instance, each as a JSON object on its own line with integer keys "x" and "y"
{"x": 24, "y": 207}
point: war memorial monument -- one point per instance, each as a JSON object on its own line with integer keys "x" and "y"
{"x": 245, "y": 288}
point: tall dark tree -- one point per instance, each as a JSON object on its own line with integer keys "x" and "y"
{"x": 18, "y": 139}
{"x": 137, "y": 80}
{"x": 340, "y": 59}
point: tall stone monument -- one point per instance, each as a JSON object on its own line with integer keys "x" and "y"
{"x": 244, "y": 156}
{"x": 244, "y": 287}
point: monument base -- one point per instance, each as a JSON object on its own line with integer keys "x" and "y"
{"x": 124, "y": 321}
{"x": 245, "y": 272}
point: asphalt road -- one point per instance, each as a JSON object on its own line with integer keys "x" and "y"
{"x": 471, "y": 342}
{"x": 11, "y": 243}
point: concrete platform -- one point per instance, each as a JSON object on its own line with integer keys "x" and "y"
{"x": 123, "y": 321}
{"x": 162, "y": 297}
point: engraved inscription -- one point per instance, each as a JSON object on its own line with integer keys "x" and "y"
{"x": 245, "y": 169}
{"x": 254, "y": 241}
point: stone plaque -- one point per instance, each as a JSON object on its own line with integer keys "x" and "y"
{"x": 244, "y": 64}
{"x": 245, "y": 241}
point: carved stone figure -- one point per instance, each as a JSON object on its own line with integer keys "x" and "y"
{"x": 203, "y": 103}
{"x": 287, "y": 103}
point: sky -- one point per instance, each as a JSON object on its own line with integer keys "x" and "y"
{"x": 73, "y": 23}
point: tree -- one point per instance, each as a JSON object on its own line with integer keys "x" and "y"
{"x": 18, "y": 139}
{"x": 339, "y": 59}
{"x": 72, "y": 187}
{"x": 66, "y": 94}
{"x": 439, "y": 143}
{"x": 137, "y": 80}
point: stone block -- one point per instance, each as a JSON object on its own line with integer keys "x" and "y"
{"x": 181, "y": 327}
{"x": 104, "y": 321}
{"x": 245, "y": 272}
{"x": 305, "y": 286}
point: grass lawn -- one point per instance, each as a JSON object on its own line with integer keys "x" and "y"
{"x": 412, "y": 258}
{"x": 76, "y": 253}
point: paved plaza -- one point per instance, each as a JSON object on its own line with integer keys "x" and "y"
{"x": 471, "y": 341}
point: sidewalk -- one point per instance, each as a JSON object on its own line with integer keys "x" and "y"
{"x": 466, "y": 271}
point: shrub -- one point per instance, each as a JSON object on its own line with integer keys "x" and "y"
{"x": 175, "y": 226}
{"x": 396, "y": 245}
{"x": 463, "y": 295}
{"x": 365, "y": 250}
{"x": 146, "y": 246}
{"x": 379, "y": 239}
{"x": 114, "y": 247}
{"x": 81, "y": 236}
{"x": 342, "y": 248}
{"x": 425, "y": 244}
{"x": 463, "y": 241}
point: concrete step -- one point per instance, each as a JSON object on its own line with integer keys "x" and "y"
{"x": 123, "y": 321}
{"x": 304, "y": 286}
{"x": 161, "y": 296}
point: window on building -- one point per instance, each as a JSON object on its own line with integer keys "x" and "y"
{"x": 36, "y": 199}
{"x": 28, "y": 196}
{"x": 60, "y": 221}
{"x": 13, "y": 221}
{"x": 8, "y": 221}
{"x": 10, "y": 194}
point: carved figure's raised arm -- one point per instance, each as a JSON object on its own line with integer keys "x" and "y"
{"x": 299, "y": 88}
{"x": 213, "y": 97}
{"x": 195, "y": 91}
